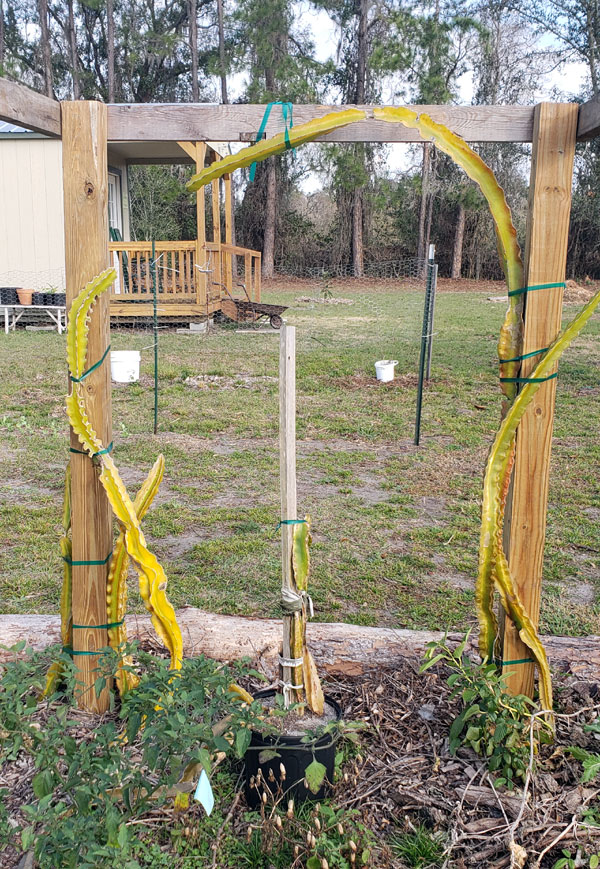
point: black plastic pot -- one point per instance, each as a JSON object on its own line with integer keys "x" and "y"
{"x": 8, "y": 296}
{"x": 294, "y": 755}
{"x": 60, "y": 298}
{"x": 48, "y": 299}
{"x": 37, "y": 299}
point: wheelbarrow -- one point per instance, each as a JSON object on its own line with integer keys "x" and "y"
{"x": 247, "y": 311}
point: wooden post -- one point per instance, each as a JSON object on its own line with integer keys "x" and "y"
{"x": 554, "y": 133}
{"x": 228, "y": 232}
{"x": 85, "y": 176}
{"x": 217, "y": 275}
{"x": 200, "y": 278}
{"x": 287, "y": 474}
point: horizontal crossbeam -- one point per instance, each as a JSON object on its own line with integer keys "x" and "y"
{"x": 26, "y": 108}
{"x": 235, "y": 123}
{"x": 589, "y": 120}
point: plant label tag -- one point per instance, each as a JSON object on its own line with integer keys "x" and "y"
{"x": 204, "y": 793}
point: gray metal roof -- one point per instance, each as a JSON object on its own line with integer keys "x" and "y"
{"x": 5, "y": 127}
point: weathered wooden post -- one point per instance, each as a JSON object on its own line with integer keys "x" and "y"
{"x": 287, "y": 472}
{"x": 553, "y": 153}
{"x": 85, "y": 175}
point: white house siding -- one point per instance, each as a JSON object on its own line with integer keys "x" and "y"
{"x": 32, "y": 250}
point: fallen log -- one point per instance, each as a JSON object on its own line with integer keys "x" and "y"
{"x": 338, "y": 648}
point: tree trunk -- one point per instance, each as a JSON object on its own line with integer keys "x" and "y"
{"x": 2, "y": 37}
{"x": 425, "y": 181}
{"x": 358, "y": 254}
{"x": 45, "y": 47}
{"x": 110, "y": 49}
{"x": 268, "y": 251}
{"x": 337, "y": 648}
{"x": 193, "y": 23}
{"x": 73, "y": 51}
{"x": 459, "y": 237}
{"x": 222, "y": 62}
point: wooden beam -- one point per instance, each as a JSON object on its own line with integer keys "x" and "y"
{"x": 545, "y": 261}
{"x": 85, "y": 182}
{"x": 588, "y": 126}
{"x": 26, "y": 108}
{"x": 235, "y": 123}
{"x": 189, "y": 148}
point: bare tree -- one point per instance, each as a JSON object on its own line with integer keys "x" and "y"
{"x": 362, "y": 48}
{"x": 193, "y": 31}
{"x": 72, "y": 40}
{"x": 2, "y": 49}
{"x": 459, "y": 236}
{"x": 110, "y": 49}
{"x": 42, "y": 6}
{"x": 222, "y": 63}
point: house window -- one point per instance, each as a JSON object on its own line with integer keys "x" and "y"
{"x": 115, "y": 218}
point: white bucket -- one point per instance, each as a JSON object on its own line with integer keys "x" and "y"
{"x": 125, "y": 365}
{"x": 384, "y": 369}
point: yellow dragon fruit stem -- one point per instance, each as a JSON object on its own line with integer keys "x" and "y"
{"x": 153, "y": 581}
{"x": 492, "y": 518}
{"x": 298, "y": 135}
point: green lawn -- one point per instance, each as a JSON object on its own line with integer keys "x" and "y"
{"x": 395, "y": 527}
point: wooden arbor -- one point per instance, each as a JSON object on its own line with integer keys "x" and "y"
{"x": 552, "y": 129}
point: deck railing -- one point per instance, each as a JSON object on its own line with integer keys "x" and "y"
{"x": 222, "y": 269}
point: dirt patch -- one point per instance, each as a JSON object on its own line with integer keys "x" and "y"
{"x": 363, "y": 381}
{"x": 323, "y": 300}
{"x": 576, "y": 294}
{"x": 176, "y": 545}
{"x": 259, "y": 382}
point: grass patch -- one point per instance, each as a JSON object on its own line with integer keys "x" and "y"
{"x": 395, "y": 528}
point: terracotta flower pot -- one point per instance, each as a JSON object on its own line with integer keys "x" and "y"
{"x": 24, "y": 296}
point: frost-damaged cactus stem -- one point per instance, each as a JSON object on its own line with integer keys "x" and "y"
{"x": 268, "y": 147}
{"x": 152, "y": 579}
{"x": 492, "y": 495}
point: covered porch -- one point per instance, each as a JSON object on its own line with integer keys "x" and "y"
{"x": 193, "y": 278}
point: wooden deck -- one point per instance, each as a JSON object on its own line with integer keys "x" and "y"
{"x": 190, "y": 281}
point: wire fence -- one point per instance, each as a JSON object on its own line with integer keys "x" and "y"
{"x": 347, "y": 322}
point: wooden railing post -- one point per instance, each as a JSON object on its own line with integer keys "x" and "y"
{"x": 200, "y": 278}
{"x": 547, "y": 231}
{"x": 85, "y": 176}
{"x": 228, "y": 233}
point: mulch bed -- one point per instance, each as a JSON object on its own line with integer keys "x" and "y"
{"x": 409, "y": 777}
{"x": 405, "y": 776}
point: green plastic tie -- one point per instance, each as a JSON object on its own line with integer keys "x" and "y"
{"x": 86, "y": 563}
{"x": 528, "y": 379}
{"x": 523, "y": 356}
{"x": 103, "y": 452}
{"x": 99, "y": 627}
{"x": 535, "y": 287}
{"x": 93, "y": 367}
{"x": 519, "y": 661}
{"x": 290, "y": 522}
{"x": 287, "y": 111}
{"x": 70, "y": 651}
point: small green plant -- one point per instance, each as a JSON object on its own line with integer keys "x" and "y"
{"x": 567, "y": 861}
{"x": 418, "y": 847}
{"x": 88, "y": 785}
{"x": 320, "y": 836}
{"x": 493, "y": 723}
{"x": 326, "y": 291}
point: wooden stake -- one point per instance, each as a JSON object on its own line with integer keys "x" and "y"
{"x": 85, "y": 176}
{"x": 547, "y": 232}
{"x": 292, "y": 623}
{"x": 200, "y": 278}
{"x": 228, "y": 232}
